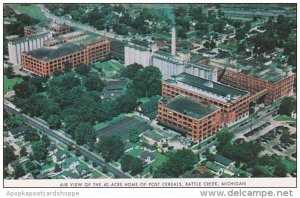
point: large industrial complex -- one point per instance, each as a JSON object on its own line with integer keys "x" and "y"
{"x": 150, "y": 91}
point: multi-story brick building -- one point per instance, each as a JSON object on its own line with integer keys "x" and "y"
{"x": 44, "y": 61}
{"x": 85, "y": 49}
{"x": 189, "y": 116}
{"x": 275, "y": 82}
{"x": 54, "y": 28}
{"x": 234, "y": 103}
{"x": 64, "y": 38}
{"x": 59, "y": 29}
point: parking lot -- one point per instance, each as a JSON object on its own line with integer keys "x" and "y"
{"x": 268, "y": 134}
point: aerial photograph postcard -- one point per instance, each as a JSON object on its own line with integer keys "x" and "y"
{"x": 168, "y": 93}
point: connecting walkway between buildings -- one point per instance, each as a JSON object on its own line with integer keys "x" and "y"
{"x": 258, "y": 95}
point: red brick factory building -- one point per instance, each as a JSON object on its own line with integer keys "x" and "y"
{"x": 54, "y": 28}
{"x": 234, "y": 103}
{"x": 189, "y": 116}
{"x": 85, "y": 49}
{"x": 274, "y": 84}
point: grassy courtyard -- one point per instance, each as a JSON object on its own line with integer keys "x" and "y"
{"x": 284, "y": 118}
{"x": 9, "y": 83}
{"x": 32, "y": 10}
{"x": 109, "y": 66}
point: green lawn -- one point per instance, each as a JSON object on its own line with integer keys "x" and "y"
{"x": 135, "y": 152}
{"x": 159, "y": 160}
{"x": 9, "y": 83}
{"x": 46, "y": 94}
{"x": 32, "y": 10}
{"x": 109, "y": 66}
{"x": 284, "y": 118}
{"x": 229, "y": 46}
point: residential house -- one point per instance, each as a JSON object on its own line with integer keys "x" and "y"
{"x": 70, "y": 175}
{"x": 82, "y": 170}
{"x": 12, "y": 166}
{"x": 114, "y": 88}
{"x": 215, "y": 168}
{"x": 52, "y": 149}
{"x": 147, "y": 157}
{"x": 18, "y": 131}
{"x": 223, "y": 161}
{"x": 59, "y": 156}
{"x": 70, "y": 163}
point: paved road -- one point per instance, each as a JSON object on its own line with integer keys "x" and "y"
{"x": 58, "y": 20}
{"x": 60, "y": 137}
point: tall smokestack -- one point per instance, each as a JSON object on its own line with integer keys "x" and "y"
{"x": 173, "y": 50}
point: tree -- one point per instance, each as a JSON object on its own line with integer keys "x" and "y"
{"x": 125, "y": 163}
{"x": 69, "y": 80}
{"x": 38, "y": 82}
{"x": 23, "y": 151}
{"x": 45, "y": 139}
{"x": 71, "y": 122}
{"x": 57, "y": 168}
{"x": 212, "y": 44}
{"x": 31, "y": 135}
{"x": 286, "y": 137}
{"x": 147, "y": 82}
{"x": 19, "y": 171}
{"x": 94, "y": 83}
{"x": 39, "y": 150}
{"x": 280, "y": 170}
{"x": 134, "y": 136}
{"x": 30, "y": 166}
{"x": 136, "y": 166}
{"x": 8, "y": 154}
{"x": 14, "y": 121}
{"x": 9, "y": 72}
{"x": 241, "y": 46}
{"x": 178, "y": 163}
{"x": 85, "y": 134}
{"x": 287, "y": 106}
{"x": 82, "y": 69}
{"x": 131, "y": 70}
{"x": 255, "y": 18}
{"x": 196, "y": 12}
{"x": 240, "y": 33}
{"x": 258, "y": 171}
{"x": 247, "y": 26}
{"x": 68, "y": 66}
{"x": 224, "y": 137}
{"x": 132, "y": 164}
{"x": 54, "y": 122}
{"x": 127, "y": 102}
{"x": 111, "y": 147}
{"x": 24, "y": 89}
{"x": 94, "y": 164}
{"x": 206, "y": 44}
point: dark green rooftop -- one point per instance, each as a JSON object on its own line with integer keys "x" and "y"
{"x": 189, "y": 107}
{"x": 51, "y": 53}
{"x": 209, "y": 86}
